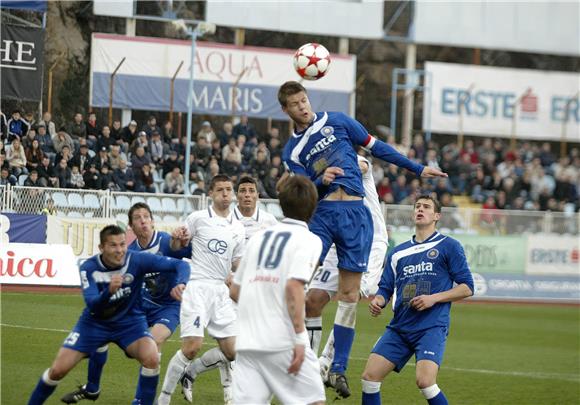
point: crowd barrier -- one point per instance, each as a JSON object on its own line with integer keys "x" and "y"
{"x": 515, "y": 255}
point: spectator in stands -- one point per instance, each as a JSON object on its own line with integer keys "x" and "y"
{"x": 385, "y": 191}
{"x": 275, "y": 147}
{"x": 139, "y": 159}
{"x": 50, "y": 208}
{"x": 565, "y": 189}
{"x": 489, "y": 217}
{"x": 45, "y": 140}
{"x": 141, "y": 142}
{"x": 106, "y": 180}
{"x": 34, "y": 156}
{"x": 29, "y": 117}
{"x": 61, "y": 139}
{"x": 82, "y": 160}
{"x": 151, "y": 126}
{"x": 92, "y": 129}
{"x": 102, "y": 158}
{"x": 216, "y": 149}
{"x": 77, "y": 128}
{"x": 128, "y": 135}
{"x": 3, "y": 162}
{"x": 6, "y": 178}
{"x": 225, "y": 134}
{"x": 207, "y": 132}
{"x": 115, "y": 157}
{"x": 200, "y": 188}
{"x": 170, "y": 163}
{"x": 65, "y": 154}
{"x": 231, "y": 158}
{"x": 213, "y": 169}
{"x": 144, "y": 180}
{"x": 92, "y": 177}
{"x": 116, "y": 132}
{"x": 399, "y": 189}
{"x": 469, "y": 151}
{"x": 124, "y": 177}
{"x": 419, "y": 147}
{"x": 46, "y": 173}
{"x": 174, "y": 181}
{"x": 27, "y": 140}
{"x": 48, "y": 124}
{"x": 76, "y": 178}
{"x": 202, "y": 151}
{"x": 33, "y": 180}
{"x": 169, "y": 135}
{"x": 244, "y": 128}
{"x": 195, "y": 172}
{"x": 63, "y": 173}
{"x": 104, "y": 140}
{"x": 270, "y": 182}
{"x": 3, "y": 127}
{"x": 541, "y": 182}
{"x": 16, "y": 158}
{"x": 158, "y": 149}
{"x": 17, "y": 126}
{"x": 546, "y": 156}
{"x": 260, "y": 166}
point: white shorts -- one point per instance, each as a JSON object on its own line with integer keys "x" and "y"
{"x": 326, "y": 277}
{"x": 207, "y": 305}
{"x": 258, "y": 375}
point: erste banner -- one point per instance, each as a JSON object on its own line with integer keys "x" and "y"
{"x": 556, "y": 254}
{"x": 490, "y": 101}
{"x": 228, "y": 79}
{"x": 21, "y": 62}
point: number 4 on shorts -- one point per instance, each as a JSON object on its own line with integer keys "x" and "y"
{"x": 196, "y": 322}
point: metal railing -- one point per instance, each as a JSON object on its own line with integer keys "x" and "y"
{"x": 174, "y": 208}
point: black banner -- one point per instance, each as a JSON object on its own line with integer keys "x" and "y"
{"x": 21, "y": 61}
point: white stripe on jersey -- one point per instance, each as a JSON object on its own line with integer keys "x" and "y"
{"x": 317, "y": 126}
{"x": 411, "y": 251}
{"x": 153, "y": 246}
{"x": 105, "y": 276}
{"x": 371, "y": 200}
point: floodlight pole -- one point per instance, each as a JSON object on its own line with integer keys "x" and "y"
{"x": 172, "y": 92}
{"x": 193, "y": 33}
{"x": 111, "y": 84}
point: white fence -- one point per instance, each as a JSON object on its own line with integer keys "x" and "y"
{"x": 172, "y": 208}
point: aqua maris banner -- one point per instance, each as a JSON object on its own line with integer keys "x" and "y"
{"x": 486, "y": 254}
{"x": 526, "y": 288}
{"x": 553, "y": 255}
{"x": 143, "y": 80}
{"x": 489, "y": 101}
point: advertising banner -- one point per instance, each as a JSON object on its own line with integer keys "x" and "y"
{"x": 143, "y": 80}
{"x": 525, "y": 287}
{"x": 487, "y": 254}
{"x": 489, "y": 101}
{"x": 21, "y": 61}
{"x": 553, "y": 255}
{"x": 22, "y": 228}
{"x": 38, "y": 264}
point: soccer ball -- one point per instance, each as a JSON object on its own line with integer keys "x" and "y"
{"x": 312, "y": 61}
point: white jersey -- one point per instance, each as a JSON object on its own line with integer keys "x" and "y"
{"x": 257, "y": 222}
{"x": 216, "y": 242}
{"x": 286, "y": 251}
{"x": 371, "y": 200}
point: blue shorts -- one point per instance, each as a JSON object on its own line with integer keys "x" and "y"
{"x": 88, "y": 335}
{"x": 398, "y": 347}
{"x": 167, "y": 315}
{"x": 349, "y": 225}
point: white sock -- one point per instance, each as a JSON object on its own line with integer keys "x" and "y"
{"x": 370, "y": 387}
{"x": 47, "y": 379}
{"x": 226, "y": 373}
{"x": 314, "y": 329}
{"x": 208, "y": 361}
{"x": 430, "y": 392}
{"x": 328, "y": 350}
{"x": 175, "y": 370}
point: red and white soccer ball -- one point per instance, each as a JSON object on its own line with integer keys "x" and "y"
{"x": 312, "y": 61}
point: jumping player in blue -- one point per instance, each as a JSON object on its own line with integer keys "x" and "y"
{"x": 419, "y": 275}
{"x": 323, "y": 149}
{"x": 112, "y": 284}
{"x": 161, "y": 309}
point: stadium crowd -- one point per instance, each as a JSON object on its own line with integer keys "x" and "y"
{"x": 150, "y": 158}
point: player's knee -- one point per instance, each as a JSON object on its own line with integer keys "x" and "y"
{"x": 230, "y": 353}
{"x": 424, "y": 381}
{"x": 57, "y": 373}
{"x": 315, "y": 302}
{"x": 369, "y": 375}
{"x": 190, "y": 349}
{"x": 150, "y": 361}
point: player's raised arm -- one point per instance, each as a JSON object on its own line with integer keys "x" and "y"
{"x": 94, "y": 299}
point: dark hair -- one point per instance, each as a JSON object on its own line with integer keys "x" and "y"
{"x": 110, "y": 230}
{"x": 298, "y": 198}
{"x": 289, "y": 89}
{"x": 436, "y": 203}
{"x": 246, "y": 180}
{"x": 138, "y": 206}
{"x": 218, "y": 178}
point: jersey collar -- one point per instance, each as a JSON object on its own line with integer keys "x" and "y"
{"x": 213, "y": 214}
{"x": 153, "y": 239}
{"x": 238, "y": 214}
{"x": 291, "y": 221}
{"x": 300, "y": 133}
{"x": 429, "y": 239}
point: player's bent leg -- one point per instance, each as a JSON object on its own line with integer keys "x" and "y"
{"x": 316, "y": 300}
{"x": 228, "y": 347}
{"x": 160, "y": 334}
{"x": 92, "y": 389}
{"x": 145, "y": 351}
{"x": 376, "y": 369}
{"x": 66, "y": 359}
{"x": 426, "y": 374}
{"x": 190, "y": 346}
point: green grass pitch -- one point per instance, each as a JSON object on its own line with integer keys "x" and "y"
{"x": 496, "y": 354}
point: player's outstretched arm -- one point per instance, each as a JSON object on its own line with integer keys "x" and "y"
{"x": 180, "y": 238}
{"x": 295, "y": 305}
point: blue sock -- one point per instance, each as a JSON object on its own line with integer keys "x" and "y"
{"x": 43, "y": 390}
{"x": 371, "y": 399}
{"x": 344, "y": 322}
{"x": 97, "y": 361}
{"x": 147, "y": 386}
{"x": 438, "y": 399}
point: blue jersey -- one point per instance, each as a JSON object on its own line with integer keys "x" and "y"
{"x": 329, "y": 142}
{"x": 125, "y": 303}
{"x": 157, "y": 287}
{"x": 425, "y": 268}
